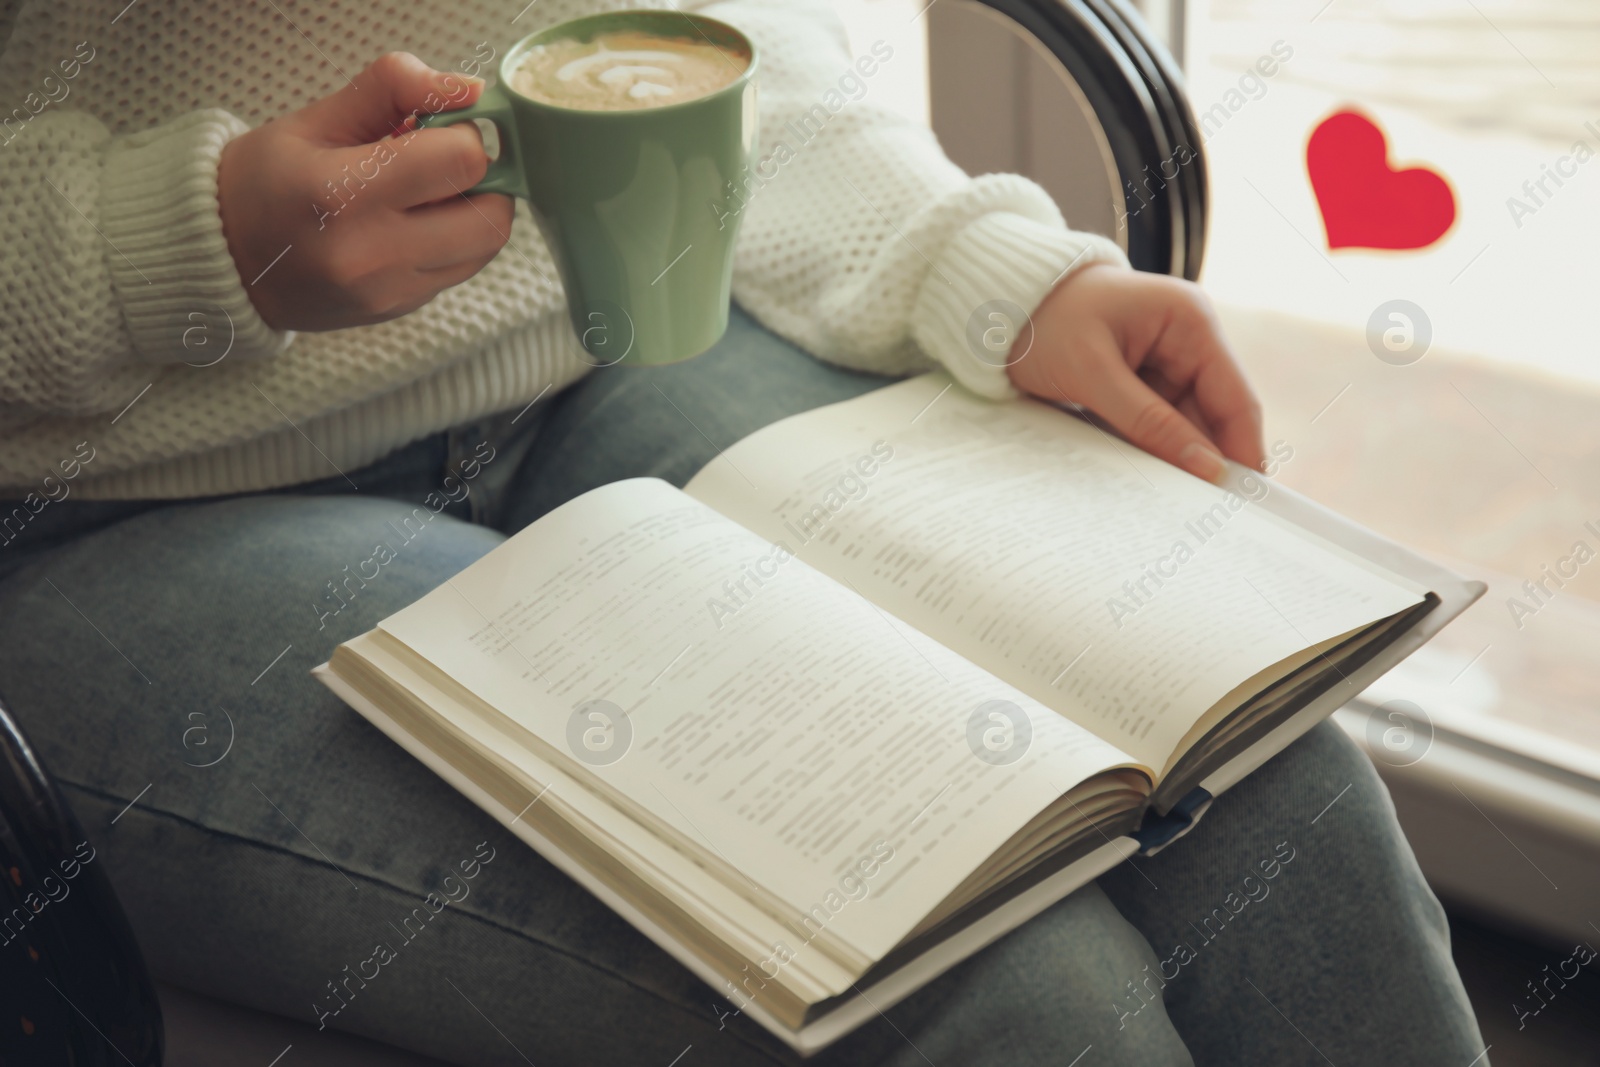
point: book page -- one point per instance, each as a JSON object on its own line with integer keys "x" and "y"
{"x": 800, "y": 738}
{"x": 1114, "y": 588}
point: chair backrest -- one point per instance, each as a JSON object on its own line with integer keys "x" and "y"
{"x": 1080, "y": 96}
{"x": 73, "y": 984}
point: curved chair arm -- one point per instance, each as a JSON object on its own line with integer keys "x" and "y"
{"x": 73, "y": 984}
{"x": 1145, "y": 126}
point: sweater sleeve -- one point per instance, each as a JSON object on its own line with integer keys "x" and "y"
{"x": 115, "y": 261}
{"x": 860, "y": 240}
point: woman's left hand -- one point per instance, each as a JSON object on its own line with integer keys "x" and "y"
{"x": 1145, "y": 353}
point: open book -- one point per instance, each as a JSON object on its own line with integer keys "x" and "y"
{"x": 887, "y": 679}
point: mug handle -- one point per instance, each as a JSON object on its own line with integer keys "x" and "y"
{"x": 505, "y": 173}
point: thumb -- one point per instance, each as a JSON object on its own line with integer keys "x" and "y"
{"x": 382, "y": 98}
{"x": 1138, "y": 413}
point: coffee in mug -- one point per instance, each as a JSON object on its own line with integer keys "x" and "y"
{"x": 624, "y": 131}
{"x": 624, "y": 70}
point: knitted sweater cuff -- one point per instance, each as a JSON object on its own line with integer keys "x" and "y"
{"x": 967, "y": 313}
{"x": 175, "y": 280}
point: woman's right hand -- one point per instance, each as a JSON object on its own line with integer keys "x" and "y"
{"x": 340, "y": 215}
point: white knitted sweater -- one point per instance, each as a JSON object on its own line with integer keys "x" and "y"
{"x": 117, "y": 292}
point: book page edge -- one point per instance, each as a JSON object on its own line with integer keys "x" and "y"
{"x": 815, "y": 1036}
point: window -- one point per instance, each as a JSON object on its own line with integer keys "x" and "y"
{"x": 1465, "y": 421}
{"x": 1478, "y": 442}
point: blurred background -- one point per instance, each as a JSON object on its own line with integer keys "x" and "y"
{"x": 1468, "y": 427}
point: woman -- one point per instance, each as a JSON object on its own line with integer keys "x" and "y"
{"x": 221, "y": 377}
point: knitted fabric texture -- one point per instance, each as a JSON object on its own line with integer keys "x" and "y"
{"x": 867, "y": 247}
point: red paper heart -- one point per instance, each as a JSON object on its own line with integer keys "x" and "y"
{"x": 1365, "y": 202}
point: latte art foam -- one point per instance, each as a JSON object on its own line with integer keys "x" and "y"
{"x": 623, "y": 71}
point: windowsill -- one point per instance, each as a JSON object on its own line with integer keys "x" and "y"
{"x": 1485, "y": 466}
{"x": 1532, "y": 693}
{"x": 1494, "y": 832}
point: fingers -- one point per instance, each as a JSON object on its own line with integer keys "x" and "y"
{"x": 382, "y": 97}
{"x": 1190, "y": 409}
{"x": 1136, "y": 412}
{"x": 445, "y": 277}
{"x": 1145, "y": 353}
{"x": 424, "y": 286}
{"x": 406, "y": 207}
{"x": 391, "y": 262}
{"x": 1190, "y": 360}
{"x": 401, "y": 290}
{"x": 1231, "y": 411}
{"x": 465, "y": 229}
{"x": 432, "y": 165}
{"x": 446, "y": 244}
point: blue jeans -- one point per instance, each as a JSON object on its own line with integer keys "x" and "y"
{"x": 157, "y": 653}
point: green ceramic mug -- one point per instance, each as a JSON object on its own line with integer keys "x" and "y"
{"x": 632, "y": 203}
